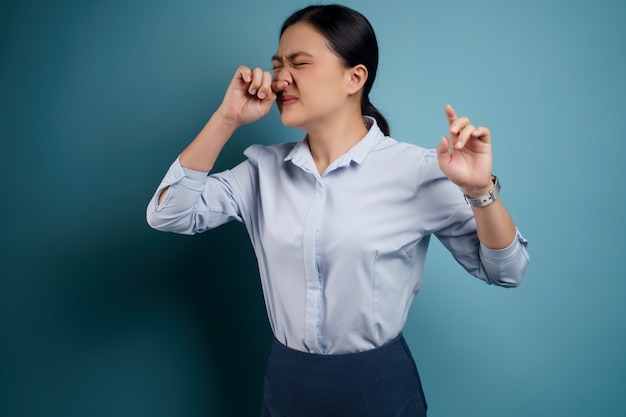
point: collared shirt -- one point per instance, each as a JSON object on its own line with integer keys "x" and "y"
{"x": 340, "y": 255}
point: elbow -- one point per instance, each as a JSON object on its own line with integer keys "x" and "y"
{"x": 155, "y": 221}
{"x": 161, "y": 221}
{"x": 508, "y": 281}
{"x": 511, "y": 275}
{"x": 173, "y": 226}
{"x": 506, "y": 268}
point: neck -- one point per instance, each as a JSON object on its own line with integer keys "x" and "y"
{"x": 332, "y": 138}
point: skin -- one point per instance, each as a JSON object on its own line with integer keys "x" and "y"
{"x": 323, "y": 96}
{"x": 316, "y": 92}
{"x": 466, "y": 159}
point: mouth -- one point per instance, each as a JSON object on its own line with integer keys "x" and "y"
{"x": 287, "y": 99}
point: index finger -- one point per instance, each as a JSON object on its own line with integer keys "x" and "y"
{"x": 245, "y": 73}
{"x": 278, "y": 86}
{"x": 450, "y": 114}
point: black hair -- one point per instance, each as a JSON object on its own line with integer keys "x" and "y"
{"x": 349, "y": 35}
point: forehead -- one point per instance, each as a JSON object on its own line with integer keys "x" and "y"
{"x": 302, "y": 37}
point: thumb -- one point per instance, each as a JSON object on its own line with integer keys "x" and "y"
{"x": 443, "y": 154}
{"x": 443, "y": 146}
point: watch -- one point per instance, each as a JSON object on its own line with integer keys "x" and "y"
{"x": 485, "y": 199}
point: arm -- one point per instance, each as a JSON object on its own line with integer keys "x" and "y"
{"x": 466, "y": 158}
{"x": 445, "y": 213}
{"x": 248, "y": 98}
{"x": 494, "y": 226}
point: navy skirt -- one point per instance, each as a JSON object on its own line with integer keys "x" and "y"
{"x": 381, "y": 382}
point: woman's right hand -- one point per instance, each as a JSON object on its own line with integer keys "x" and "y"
{"x": 249, "y": 96}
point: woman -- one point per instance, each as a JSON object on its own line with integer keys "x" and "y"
{"x": 340, "y": 221}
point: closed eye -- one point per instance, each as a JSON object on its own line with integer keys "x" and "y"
{"x": 295, "y": 65}
{"x": 278, "y": 61}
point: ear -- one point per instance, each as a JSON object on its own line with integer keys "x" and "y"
{"x": 357, "y": 76}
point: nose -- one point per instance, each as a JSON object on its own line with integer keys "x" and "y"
{"x": 283, "y": 74}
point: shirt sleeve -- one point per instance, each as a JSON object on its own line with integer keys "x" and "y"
{"x": 195, "y": 201}
{"x": 445, "y": 213}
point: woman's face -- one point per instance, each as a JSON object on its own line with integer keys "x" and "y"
{"x": 317, "y": 78}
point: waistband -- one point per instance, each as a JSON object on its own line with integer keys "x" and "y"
{"x": 394, "y": 347}
{"x": 378, "y": 382}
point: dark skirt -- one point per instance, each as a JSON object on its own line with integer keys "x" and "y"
{"x": 377, "y": 383}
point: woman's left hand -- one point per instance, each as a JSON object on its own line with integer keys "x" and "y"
{"x": 466, "y": 156}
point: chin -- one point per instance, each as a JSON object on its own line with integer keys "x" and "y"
{"x": 290, "y": 121}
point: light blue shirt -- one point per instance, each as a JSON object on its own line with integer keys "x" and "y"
{"x": 340, "y": 255}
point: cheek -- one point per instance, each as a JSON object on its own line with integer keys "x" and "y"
{"x": 321, "y": 86}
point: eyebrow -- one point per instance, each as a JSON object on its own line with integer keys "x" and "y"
{"x": 291, "y": 57}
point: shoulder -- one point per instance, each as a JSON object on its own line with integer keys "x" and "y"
{"x": 387, "y": 144}
{"x": 405, "y": 153}
{"x": 260, "y": 159}
{"x": 277, "y": 152}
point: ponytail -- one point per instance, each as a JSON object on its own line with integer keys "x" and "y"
{"x": 368, "y": 109}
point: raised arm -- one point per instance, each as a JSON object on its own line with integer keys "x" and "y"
{"x": 466, "y": 158}
{"x": 250, "y": 96}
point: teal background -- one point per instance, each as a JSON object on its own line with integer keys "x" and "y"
{"x": 102, "y": 316}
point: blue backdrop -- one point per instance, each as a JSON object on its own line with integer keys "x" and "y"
{"x": 102, "y": 316}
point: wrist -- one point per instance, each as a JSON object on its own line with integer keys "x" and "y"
{"x": 225, "y": 121}
{"x": 482, "y": 196}
{"x": 476, "y": 190}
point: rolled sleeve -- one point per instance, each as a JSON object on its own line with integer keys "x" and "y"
{"x": 194, "y": 202}
{"x": 506, "y": 267}
{"x": 445, "y": 213}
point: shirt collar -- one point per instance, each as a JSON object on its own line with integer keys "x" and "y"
{"x": 300, "y": 155}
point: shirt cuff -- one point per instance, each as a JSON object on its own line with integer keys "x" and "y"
{"x": 177, "y": 175}
{"x": 193, "y": 174}
{"x": 500, "y": 256}
{"x": 189, "y": 178}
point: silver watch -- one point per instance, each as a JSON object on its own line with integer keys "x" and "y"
{"x": 485, "y": 199}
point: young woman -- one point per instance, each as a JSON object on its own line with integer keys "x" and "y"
{"x": 340, "y": 221}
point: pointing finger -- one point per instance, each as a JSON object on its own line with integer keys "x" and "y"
{"x": 450, "y": 114}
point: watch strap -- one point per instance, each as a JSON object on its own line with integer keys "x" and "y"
{"x": 485, "y": 199}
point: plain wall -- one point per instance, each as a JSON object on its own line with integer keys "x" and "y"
{"x": 102, "y": 316}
